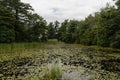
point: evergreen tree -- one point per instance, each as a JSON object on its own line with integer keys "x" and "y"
{"x": 51, "y": 31}
{"x": 7, "y": 33}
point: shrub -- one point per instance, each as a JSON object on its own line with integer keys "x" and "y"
{"x": 53, "y": 72}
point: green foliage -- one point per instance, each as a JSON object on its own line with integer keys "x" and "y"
{"x": 18, "y": 24}
{"x": 37, "y": 30}
{"x": 71, "y": 29}
{"x": 7, "y": 33}
{"x": 102, "y": 29}
{"x": 53, "y": 72}
{"x": 62, "y": 31}
{"x": 51, "y": 31}
{"x": 115, "y": 41}
{"x": 56, "y": 23}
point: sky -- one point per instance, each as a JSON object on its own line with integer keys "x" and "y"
{"x": 60, "y": 10}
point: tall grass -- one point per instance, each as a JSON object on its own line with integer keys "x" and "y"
{"x": 53, "y": 72}
{"x": 11, "y": 50}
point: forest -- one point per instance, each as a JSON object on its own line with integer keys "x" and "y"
{"x": 33, "y": 49}
{"x": 19, "y": 23}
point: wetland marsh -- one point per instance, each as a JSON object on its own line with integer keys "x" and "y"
{"x": 36, "y": 61}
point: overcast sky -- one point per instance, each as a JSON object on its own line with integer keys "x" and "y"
{"x": 60, "y": 10}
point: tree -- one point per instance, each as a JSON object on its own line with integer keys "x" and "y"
{"x": 108, "y": 26}
{"x": 7, "y": 33}
{"x": 21, "y": 13}
{"x": 115, "y": 42}
{"x": 72, "y": 26}
{"x": 62, "y": 31}
{"x": 90, "y": 30}
{"x": 56, "y": 26}
{"x": 67, "y": 31}
{"x": 38, "y": 29}
{"x": 51, "y": 31}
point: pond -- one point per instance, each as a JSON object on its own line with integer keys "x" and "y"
{"x": 73, "y": 63}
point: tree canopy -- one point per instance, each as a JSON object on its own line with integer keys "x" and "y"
{"x": 19, "y": 23}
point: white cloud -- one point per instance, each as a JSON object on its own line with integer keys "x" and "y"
{"x": 60, "y": 10}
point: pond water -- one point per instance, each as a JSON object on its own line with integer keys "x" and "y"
{"x": 76, "y": 63}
